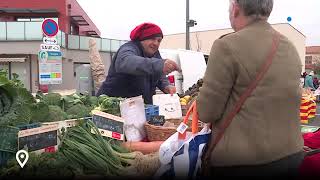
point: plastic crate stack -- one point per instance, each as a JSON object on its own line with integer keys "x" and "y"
{"x": 150, "y": 111}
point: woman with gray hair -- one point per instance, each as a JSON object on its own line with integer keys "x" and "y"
{"x": 264, "y": 136}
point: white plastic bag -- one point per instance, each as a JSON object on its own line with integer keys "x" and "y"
{"x": 181, "y": 156}
{"x": 132, "y": 111}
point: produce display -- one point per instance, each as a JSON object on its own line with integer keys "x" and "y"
{"x": 185, "y": 100}
{"x": 109, "y": 104}
{"x": 82, "y": 153}
{"x": 193, "y": 90}
{"x": 16, "y": 103}
{"x": 82, "y": 150}
{"x": 19, "y": 107}
{"x": 39, "y": 165}
{"x": 91, "y": 153}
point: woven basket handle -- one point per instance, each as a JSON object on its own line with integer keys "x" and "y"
{"x": 195, "y": 119}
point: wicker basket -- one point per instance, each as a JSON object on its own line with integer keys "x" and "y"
{"x": 161, "y": 133}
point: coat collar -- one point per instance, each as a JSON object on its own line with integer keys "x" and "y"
{"x": 259, "y": 23}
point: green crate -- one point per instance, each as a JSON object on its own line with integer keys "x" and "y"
{"x": 8, "y": 143}
{"x": 5, "y": 156}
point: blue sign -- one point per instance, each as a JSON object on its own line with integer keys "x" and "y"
{"x": 45, "y": 76}
{"x": 50, "y": 27}
{"x": 54, "y": 53}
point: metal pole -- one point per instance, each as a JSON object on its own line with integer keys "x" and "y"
{"x": 187, "y": 26}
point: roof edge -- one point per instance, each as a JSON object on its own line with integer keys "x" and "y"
{"x": 219, "y": 29}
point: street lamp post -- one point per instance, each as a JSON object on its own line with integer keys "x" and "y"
{"x": 189, "y": 23}
{"x": 187, "y": 26}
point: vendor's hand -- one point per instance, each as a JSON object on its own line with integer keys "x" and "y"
{"x": 170, "y": 66}
{"x": 170, "y": 90}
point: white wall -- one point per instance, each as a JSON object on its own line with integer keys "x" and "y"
{"x": 203, "y": 40}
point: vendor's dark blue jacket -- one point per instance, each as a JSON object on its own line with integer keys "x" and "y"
{"x": 131, "y": 73}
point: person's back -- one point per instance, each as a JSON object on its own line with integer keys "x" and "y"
{"x": 309, "y": 82}
{"x": 264, "y": 137}
{"x": 267, "y": 127}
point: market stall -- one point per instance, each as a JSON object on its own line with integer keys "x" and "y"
{"x": 308, "y": 106}
{"x": 78, "y": 135}
{"x": 64, "y": 137}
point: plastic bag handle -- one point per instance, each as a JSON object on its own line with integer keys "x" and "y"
{"x": 195, "y": 119}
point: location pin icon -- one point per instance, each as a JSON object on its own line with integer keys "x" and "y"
{"x": 22, "y": 157}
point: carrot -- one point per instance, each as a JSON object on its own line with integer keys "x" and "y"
{"x": 144, "y": 147}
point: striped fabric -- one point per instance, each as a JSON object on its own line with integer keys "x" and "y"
{"x": 307, "y": 108}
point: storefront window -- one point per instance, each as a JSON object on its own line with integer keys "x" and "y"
{"x": 21, "y": 70}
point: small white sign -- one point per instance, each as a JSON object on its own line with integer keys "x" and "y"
{"x": 47, "y": 40}
{"x": 49, "y": 47}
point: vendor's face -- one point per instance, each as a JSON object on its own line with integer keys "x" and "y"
{"x": 151, "y": 46}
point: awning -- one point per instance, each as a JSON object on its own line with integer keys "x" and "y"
{"x": 79, "y": 20}
{"x": 21, "y": 59}
{"x": 25, "y": 10}
{"x": 92, "y": 33}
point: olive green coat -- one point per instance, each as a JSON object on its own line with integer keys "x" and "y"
{"x": 267, "y": 127}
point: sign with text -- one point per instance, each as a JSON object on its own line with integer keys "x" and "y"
{"x": 38, "y": 138}
{"x": 108, "y": 124}
{"x": 49, "y": 47}
{"x": 50, "y": 67}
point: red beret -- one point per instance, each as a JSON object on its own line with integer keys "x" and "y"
{"x": 145, "y": 31}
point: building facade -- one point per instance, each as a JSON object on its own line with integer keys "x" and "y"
{"x": 203, "y": 40}
{"x": 312, "y": 58}
{"x": 21, "y": 36}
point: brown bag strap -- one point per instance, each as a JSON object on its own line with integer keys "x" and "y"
{"x": 226, "y": 122}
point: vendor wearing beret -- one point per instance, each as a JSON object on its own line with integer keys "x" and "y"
{"x": 137, "y": 67}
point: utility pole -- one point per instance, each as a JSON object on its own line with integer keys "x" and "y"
{"x": 189, "y": 23}
{"x": 187, "y": 26}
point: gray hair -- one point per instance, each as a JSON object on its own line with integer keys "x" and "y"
{"x": 258, "y": 9}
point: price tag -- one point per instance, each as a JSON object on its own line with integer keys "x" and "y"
{"x": 108, "y": 124}
{"x": 182, "y": 128}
